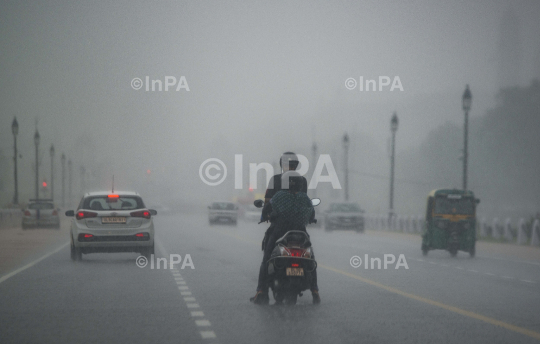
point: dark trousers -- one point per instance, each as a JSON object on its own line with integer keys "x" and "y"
{"x": 275, "y": 234}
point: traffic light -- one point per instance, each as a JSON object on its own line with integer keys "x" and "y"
{"x": 44, "y": 184}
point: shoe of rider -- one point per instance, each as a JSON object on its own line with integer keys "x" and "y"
{"x": 316, "y": 296}
{"x": 260, "y": 298}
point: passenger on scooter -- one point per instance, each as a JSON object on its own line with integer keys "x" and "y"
{"x": 291, "y": 210}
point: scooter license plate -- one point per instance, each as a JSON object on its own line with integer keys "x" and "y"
{"x": 295, "y": 271}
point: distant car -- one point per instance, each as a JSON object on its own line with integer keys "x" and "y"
{"x": 111, "y": 222}
{"x": 252, "y": 214}
{"x": 222, "y": 212}
{"x": 344, "y": 215}
{"x": 40, "y": 213}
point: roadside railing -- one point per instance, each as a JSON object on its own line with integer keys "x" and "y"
{"x": 10, "y": 218}
{"x": 520, "y": 232}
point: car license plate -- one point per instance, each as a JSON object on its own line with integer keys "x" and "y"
{"x": 113, "y": 219}
{"x": 295, "y": 272}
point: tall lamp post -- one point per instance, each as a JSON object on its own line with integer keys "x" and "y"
{"x": 63, "y": 162}
{"x": 70, "y": 172}
{"x": 36, "y": 142}
{"x": 393, "y": 127}
{"x": 15, "y": 131}
{"x": 466, "y": 102}
{"x": 346, "y": 144}
{"x": 314, "y": 150}
{"x": 52, "y": 171}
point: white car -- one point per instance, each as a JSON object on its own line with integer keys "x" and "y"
{"x": 111, "y": 222}
{"x": 40, "y": 213}
{"x": 252, "y": 214}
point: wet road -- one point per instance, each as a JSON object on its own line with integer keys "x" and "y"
{"x": 106, "y": 298}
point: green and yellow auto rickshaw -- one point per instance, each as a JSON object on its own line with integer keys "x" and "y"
{"x": 450, "y": 222}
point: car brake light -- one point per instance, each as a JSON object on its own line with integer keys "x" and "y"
{"x": 140, "y": 235}
{"x": 113, "y": 196}
{"x": 141, "y": 213}
{"x": 85, "y": 214}
{"x": 88, "y": 235}
{"x": 295, "y": 265}
{"x": 27, "y": 213}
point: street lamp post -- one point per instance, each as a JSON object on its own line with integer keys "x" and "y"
{"x": 466, "y": 102}
{"x": 52, "y": 171}
{"x": 83, "y": 184}
{"x": 36, "y": 142}
{"x": 15, "y": 131}
{"x": 314, "y": 162}
{"x": 346, "y": 144}
{"x": 393, "y": 127}
{"x": 63, "y": 162}
{"x": 70, "y": 172}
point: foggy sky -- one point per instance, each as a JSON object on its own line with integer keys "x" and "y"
{"x": 264, "y": 77}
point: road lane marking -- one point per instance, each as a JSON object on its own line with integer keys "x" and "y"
{"x": 185, "y": 293}
{"x": 453, "y": 309}
{"x": 193, "y": 305}
{"x": 472, "y": 270}
{"x": 29, "y": 265}
{"x": 202, "y": 323}
{"x": 197, "y": 314}
{"x": 183, "y": 287}
{"x": 208, "y": 334}
{"x": 489, "y": 274}
{"x": 189, "y": 299}
{"x": 527, "y": 281}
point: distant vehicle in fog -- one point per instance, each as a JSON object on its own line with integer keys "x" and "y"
{"x": 40, "y": 213}
{"x": 222, "y": 212}
{"x": 346, "y": 215}
{"x": 450, "y": 222}
{"x": 111, "y": 222}
{"x": 252, "y": 214}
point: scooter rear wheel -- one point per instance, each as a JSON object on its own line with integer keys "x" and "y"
{"x": 290, "y": 298}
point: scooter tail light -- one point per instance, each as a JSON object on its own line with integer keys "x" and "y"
{"x": 296, "y": 252}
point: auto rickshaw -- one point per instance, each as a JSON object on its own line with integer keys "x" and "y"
{"x": 450, "y": 222}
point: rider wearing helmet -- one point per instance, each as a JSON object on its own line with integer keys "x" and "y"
{"x": 291, "y": 207}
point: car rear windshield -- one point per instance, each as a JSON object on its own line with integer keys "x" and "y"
{"x": 222, "y": 206}
{"x": 344, "y": 208}
{"x": 41, "y": 206}
{"x": 106, "y": 203}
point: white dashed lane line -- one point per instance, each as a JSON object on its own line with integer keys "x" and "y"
{"x": 191, "y": 302}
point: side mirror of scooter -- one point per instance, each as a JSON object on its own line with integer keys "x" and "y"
{"x": 315, "y": 201}
{"x": 258, "y": 203}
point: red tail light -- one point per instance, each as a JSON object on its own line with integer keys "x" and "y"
{"x": 27, "y": 213}
{"x": 113, "y": 196}
{"x": 295, "y": 265}
{"x": 141, "y": 213}
{"x": 140, "y": 235}
{"x": 85, "y": 214}
{"x": 54, "y": 213}
{"x": 86, "y": 237}
{"x": 296, "y": 252}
